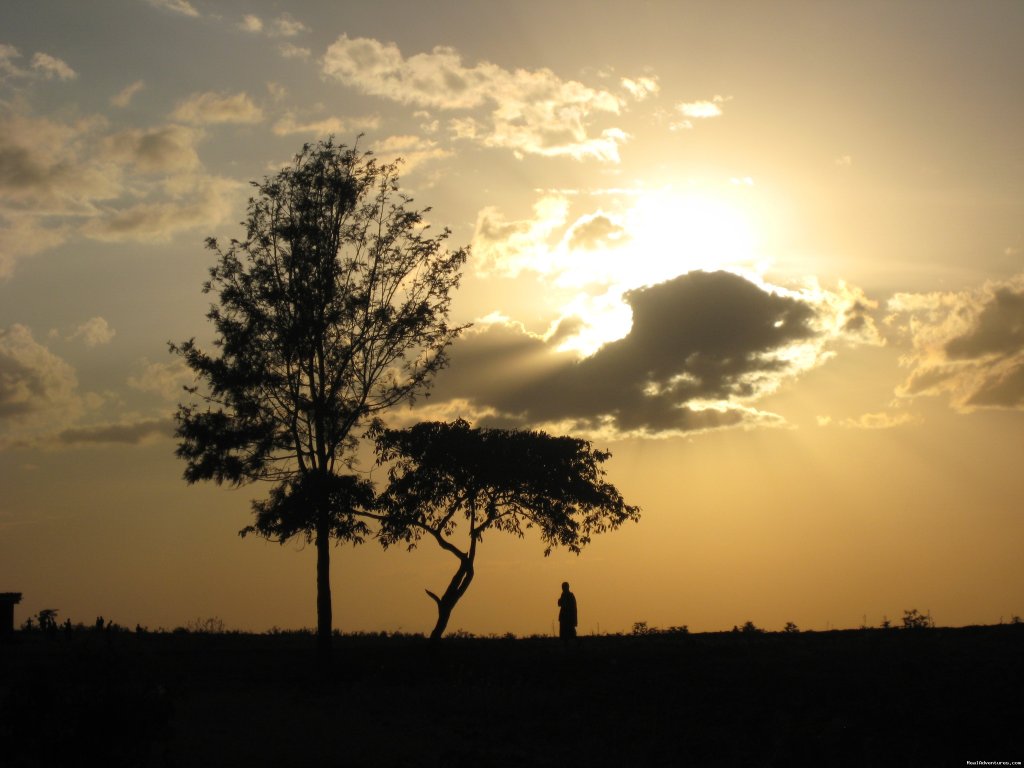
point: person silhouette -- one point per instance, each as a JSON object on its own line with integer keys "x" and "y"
{"x": 567, "y": 618}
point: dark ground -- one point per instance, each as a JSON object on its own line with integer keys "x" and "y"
{"x": 846, "y": 698}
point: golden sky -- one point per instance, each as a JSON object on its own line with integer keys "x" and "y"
{"x": 769, "y": 254}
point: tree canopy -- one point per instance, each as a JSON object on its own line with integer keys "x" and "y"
{"x": 453, "y": 483}
{"x": 332, "y": 308}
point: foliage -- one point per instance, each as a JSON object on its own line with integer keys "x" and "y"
{"x": 791, "y": 628}
{"x": 210, "y": 626}
{"x": 452, "y": 480}
{"x": 913, "y": 619}
{"x": 333, "y": 308}
{"x": 641, "y": 629}
{"x": 47, "y": 619}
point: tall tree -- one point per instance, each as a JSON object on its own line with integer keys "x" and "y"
{"x": 454, "y": 483}
{"x": 333, "y": 308}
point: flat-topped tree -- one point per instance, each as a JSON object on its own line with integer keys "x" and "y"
{"x": 453, "y": 483}
{"x": 332, "y": 308}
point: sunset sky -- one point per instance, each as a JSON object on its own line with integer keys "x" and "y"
{"x": 769, "y": 254}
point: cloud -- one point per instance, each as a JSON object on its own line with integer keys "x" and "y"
{"x": 290, "y": 51}
{"x": 42, "y": 65}
{"x": 507, "y": 248}
{"x": 289, "y": 125}
{"x": 51, "y": 168}
{"x": 130, "y": 433}
{"x": 641, "y": 87}
{"x": 529, "y": 111}
{"x": 183, "y": 7}
{"x": 967, "y": 345}
{"x": 251, "y": 23}
{"x": 163, "y": 149}
{"x": 124, "y": 97}
{"x": 201, "y": 201}
{"x": 211, "y": 107}
{"x": 22, "y": 236}
{"x": 50, "y": 67}
{"x": 163, "y": 379}
{"x": 93, "y": 332}
{"x": 286, "y": 26}
{"x": 413, "y": 150}
{"x": 8, "y": 69}
{"x": 882, "y": 420}
{"x": 32, "y": 379}
{"x": 596, "y": 231}
{"x": 703, "y": 347}
{"x": 698, "y": 110}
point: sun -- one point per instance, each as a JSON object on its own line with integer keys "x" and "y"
{"x": 671, "y": 233}
{"x": 661, "y": 234}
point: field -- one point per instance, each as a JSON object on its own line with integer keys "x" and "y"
{"x": 844, "y": 698}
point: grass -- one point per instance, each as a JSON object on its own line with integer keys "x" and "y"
{"x": 909, "y": 697}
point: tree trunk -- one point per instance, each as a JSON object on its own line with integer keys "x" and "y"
{"x": 446, "y": 603}
{"x": 324, "y": 617}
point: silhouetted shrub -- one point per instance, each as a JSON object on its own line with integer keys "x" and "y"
{"x": 210, "y": 626}
{"x": 913, "y": 619}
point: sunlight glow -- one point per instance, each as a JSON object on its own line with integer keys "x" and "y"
{"x": 664, "y": 234}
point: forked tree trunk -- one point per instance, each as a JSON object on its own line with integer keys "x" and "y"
{"x": 446, "y": 603}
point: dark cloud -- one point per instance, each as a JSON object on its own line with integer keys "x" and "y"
{"x": 969, "y": 345}
{"x": 32, "y": 379}
{"x": 699, "y": 345}
{"x": 998, "y": 330}
{"x": 129, "y": 434}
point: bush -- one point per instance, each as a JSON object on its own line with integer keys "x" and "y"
{"x": 913, "y": 619}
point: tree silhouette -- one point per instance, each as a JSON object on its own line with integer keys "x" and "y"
{"x": 333, "y": 308}
{"x": 452, "y": 481}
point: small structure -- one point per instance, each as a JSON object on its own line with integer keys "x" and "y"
{"x": 7, "y": 602}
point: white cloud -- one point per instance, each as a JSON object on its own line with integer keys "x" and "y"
{"x": 211, "y": 107}
{"x": 530, "y": 111}
{"x": 641, "y": 87}
{"x": 8, "y": 53}
{"x": 881, "y": 420}
{"x": 289, "y": 125}
{"x": 699, "y": 109}
{"x": 184, "y": 7}
{"x": 93, "y": 332}
{"x": 251, "y": 23}
{"x": 290, "y": 51}
{"x": 276, "y": 91}
{"x": 413, "y": 150}
{"x": 50, "y": 67}
{"x": 124, "y": 97}
{"x": 286, "y": 26}
{"x": 163, "y": 379}
{"x": 23, "y": 235}
{"x": 507, "y": 248}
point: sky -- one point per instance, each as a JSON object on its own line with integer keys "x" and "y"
{"x": 770, "y": 255}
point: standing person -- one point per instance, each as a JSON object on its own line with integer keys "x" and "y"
{"x": 566, "y": 614}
